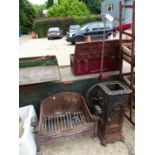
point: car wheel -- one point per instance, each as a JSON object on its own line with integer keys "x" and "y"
{"x": 72, "y": 43}
{"x": 79, "y": 39}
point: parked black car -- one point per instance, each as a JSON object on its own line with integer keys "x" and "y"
{"x": 94, "y": 29}
{"x": 54, "y": 32}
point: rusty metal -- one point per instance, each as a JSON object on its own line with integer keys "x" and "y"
{"x": 108, "y": 101}
{"x": 63, "y": 122}
{"x": 62, "y": 116}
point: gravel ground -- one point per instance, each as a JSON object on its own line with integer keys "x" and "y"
{"x": 62, "y": 49}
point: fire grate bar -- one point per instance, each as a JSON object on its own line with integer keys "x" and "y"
{"x": 63, "y": 122}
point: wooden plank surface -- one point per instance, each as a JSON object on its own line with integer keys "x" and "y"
{"x": 32, "y": 75}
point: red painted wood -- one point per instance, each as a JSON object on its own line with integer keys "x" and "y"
{"x": 87, "y": 57}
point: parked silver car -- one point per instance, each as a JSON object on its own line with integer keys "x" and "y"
{"x": 54, "y": 32}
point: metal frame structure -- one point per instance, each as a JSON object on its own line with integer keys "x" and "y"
{"x": 127, "y": 53}
{"x": 102, "y": 56}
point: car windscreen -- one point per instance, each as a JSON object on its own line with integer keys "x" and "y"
{"x": 74, "y": 27}
{"x": 54, "y": 29}
{"x": 84, "y": 26}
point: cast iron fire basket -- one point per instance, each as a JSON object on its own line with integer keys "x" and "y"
{"x": 108, "y": 101}
{"x": 63, "y": 116}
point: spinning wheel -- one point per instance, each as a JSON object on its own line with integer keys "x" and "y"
{"x": 95, "y": 99}
{"x": 108, "y": 100}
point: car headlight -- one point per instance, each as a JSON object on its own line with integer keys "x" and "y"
{"x": 71, "y": 34}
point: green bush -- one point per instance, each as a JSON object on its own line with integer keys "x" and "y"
{"x": 68, "y": 8}
{"x": 39, "y": 10}
{"x": 41, "y": 25}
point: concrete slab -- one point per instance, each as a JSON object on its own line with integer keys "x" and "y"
{"x": 67, "y": 75}
{"x": 39, "y": 74}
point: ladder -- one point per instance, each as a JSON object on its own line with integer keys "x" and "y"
{"x": 127, "y": 53}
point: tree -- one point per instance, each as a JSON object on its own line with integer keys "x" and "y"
{"x": 94, "y": 5}
{"x": 49, "y": 3}
{"x": 68, "y": 8}
{"x": 26, "y": 15}
{"x": 39, "y": 10}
